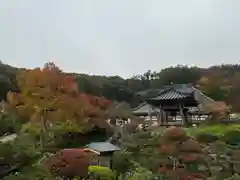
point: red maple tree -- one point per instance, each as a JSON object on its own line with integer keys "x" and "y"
{"x": 69, "y": 163}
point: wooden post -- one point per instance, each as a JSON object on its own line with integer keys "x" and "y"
{"x": 44, "y": 128}
{"x": 185, "y": 112}
{"x": 164, "y": 117}
{"x": 182, "y": 114}
{"x": 149, "y": 112}
{"x": 111, "y": 162}
{"x": 157, "y": 115}
{"x": 160, "y": 115}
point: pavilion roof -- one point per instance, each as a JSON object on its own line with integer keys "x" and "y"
{"x": 102, "y": 147}
{"x": 171, "y": 94}
{"x": 177, "y": 92}
{"x": 144, "y": 109}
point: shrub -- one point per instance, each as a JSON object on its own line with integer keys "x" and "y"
{"x": 139, "y": 172}
{"x": 206, "y": 137}
{"x": 186, "y": 155}
{"x": 234, "y": 177}
{"x": 232, "y": 137}
{"x": 190, "y": 145}
{"x": 69, "y": 163}
{"x": 174, "y": 133}
{"x": 121, "y": 162}
{"x": 101, "y": 173}
{"x": 9, "y": 124}
{"x": 30, "y": 173}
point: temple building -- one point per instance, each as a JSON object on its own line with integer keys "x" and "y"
{"x": 175, "y": 104}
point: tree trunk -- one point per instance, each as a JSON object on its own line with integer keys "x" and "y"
{"x": 44, "y": 128}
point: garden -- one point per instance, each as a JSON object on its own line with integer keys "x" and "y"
{"x": 175, "y": 154}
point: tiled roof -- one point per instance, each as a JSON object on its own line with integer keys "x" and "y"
{"x": 178, "y": 89}
{"x": 175, "y": 92}
{"x": 103, "y": 147}
{"x": 183, "y": 88}
{"x": 144, "y": 109}
{"x": 172, "y": 94}
{"x": 149, "y": 92}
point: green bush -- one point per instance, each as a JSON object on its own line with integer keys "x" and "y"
{"x": 9, "y": 124}
{"x": 139, "y": 173}
{"x": 234, "y": 177}
{"x": 30, "y": 173}
{"x": 101, "y": 173}
{"x": 232, "y": 137}
{"x": 205, "y": 137}
{"x": 121, "y": 162}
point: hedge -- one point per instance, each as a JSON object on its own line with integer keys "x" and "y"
{"x": 101, "y": 173}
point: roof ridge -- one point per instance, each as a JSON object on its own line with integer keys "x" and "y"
{"x": 172, "y": 89}
{"x": 195, "y": 89}
{"x": 140, "y": 105}
{"x": 164, "y": 90}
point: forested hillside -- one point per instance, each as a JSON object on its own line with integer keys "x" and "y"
{"x": 219, "y": 82}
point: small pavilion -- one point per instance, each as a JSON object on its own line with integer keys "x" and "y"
{"x": 101, "y": 153}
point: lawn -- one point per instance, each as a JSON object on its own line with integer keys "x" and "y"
{"x": 218, "y": 130}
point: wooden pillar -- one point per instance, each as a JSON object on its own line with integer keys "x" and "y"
{"x": 182, "y": 114}
{"x": 160, "y": 120}
{"x": 164, "y": 117}
{"x": 158, "y": 117}
{"x": 149, "y": 112}
{"x": 111, "y": 162}
{"x": 186, "y": 119}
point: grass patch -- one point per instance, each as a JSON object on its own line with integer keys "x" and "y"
{"x": 218, "y": 129}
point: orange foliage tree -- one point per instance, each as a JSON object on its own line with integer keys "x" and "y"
{"x": 47, "y": 94}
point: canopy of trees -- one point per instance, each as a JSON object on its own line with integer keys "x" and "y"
{"x": 219, "y": 82}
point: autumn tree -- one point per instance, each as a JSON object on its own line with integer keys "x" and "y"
{"x": 215, "y": 85}
{"x": 48, "y": 97}
{"x": 234, "y": 91}
{"x": 68, "y": 163}
{"x": 219, "y": 110}
{"x": 181, "y": 156}
{"x": 119, "y": 110}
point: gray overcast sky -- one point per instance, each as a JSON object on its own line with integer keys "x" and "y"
{"x": 119, "y": 37}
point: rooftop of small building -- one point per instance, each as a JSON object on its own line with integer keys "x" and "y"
{"x": 102, "y": 146}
